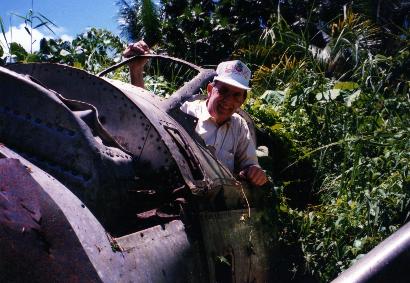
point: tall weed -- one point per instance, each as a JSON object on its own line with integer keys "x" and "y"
{"x": 351, "y": 123}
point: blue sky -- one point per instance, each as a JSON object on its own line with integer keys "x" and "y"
{"x": 71, "y": 16}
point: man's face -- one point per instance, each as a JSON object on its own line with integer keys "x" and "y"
{"x": 224, "y": 100}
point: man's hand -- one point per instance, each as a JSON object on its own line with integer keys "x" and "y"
{"x": 254, "y": 174}
{"x": 137, "y": 48}
{"x": 137, "y": 66}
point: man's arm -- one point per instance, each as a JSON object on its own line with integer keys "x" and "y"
{"x": 137, "y": 66}
{"x": 246, "y": 153}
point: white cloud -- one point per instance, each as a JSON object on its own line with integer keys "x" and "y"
{"x": 21, "y": 36}
{"x": 66, "y": 37}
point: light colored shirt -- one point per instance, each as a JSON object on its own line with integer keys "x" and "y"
{"x": 231, "y": 141}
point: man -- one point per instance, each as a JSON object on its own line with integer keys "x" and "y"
{"x": 222, "y": 129}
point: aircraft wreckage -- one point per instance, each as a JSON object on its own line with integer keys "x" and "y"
{"x": 102, "y": 181}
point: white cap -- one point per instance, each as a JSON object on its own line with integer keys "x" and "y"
{"x": 234, "y": 73}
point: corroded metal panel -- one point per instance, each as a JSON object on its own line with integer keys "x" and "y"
{"x": 51, "y": 235}
{"x": 126, "y": 123}
{"x": 37, "y": 240}
{"x": 235, "y": 249}
{"x": 138, "y": 121}
{"x": 163, "y": 254}
{"x": 124, "y": 153}
{"x": 184, "y": 148}
{"x": 37, "y": 123}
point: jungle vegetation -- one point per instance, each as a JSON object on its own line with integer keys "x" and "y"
{"x": 331, "y": 91}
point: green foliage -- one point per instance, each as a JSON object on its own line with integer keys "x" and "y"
{"x": 140, "y": 20}
{"x": 354, "y": 133}
{"x": 164, "y": 77}
{"x": 200, "y": 31}
{"x": 96, "y": 49}
{"x": 93, "y": 50}
{"x": 351, "y": 40}
{"x": 18, "y": 51}
{"x": 207, "y": 32}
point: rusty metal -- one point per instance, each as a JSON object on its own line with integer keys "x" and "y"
{"x": 131, "y": 159}
{"x": 129, "y": 60}
{"x": 234, "y": 249}
{"x": 38, "y": 220}
{"x": 36, "y": 123}
{"x": 48, "y": 233}
{"x": 134, "y": 117}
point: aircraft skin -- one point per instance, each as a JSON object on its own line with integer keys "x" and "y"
{"x": 104, "y": 181}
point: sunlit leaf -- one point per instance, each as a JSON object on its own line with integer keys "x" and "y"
{"x": 357, "y": 244}
{"x": 78, "y": 65}
{"x": 346, "y": 85}
{"x": 223, "y": 259}
{"x": 328, "y": 95}
{"x": 64, "y": 52}
{"x": 32, "y": 58}
{"x": 352, "y": 98}
{"x": 334, "y": 93}
{"x": 273, "y": 97}
{"x": 277, "y": 126}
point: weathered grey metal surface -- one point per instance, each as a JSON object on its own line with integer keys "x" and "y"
{"x": 48, "y": 233}
{"x": 189, "y": 89}
{"x": 129, "y": 60}
{"x": 118, "y": 149}
{"x": 164, "y": 254}
{"x": 123, "y": 120}
{"x": 139, "y": 123}
{"x": 39, "y": 125}
{"x": 207, "y": 172}
{"x": 235, "y": 250}
{"x": 387, "y": 262}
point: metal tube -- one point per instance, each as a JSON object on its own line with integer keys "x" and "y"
{"x": 387, "y": 262}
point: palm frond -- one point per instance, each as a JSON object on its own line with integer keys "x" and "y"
{"x": 139, "y": 20}
{"x": 3, "y": 31}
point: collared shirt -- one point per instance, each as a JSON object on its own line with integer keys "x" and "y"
{"x": 231, "y": 141}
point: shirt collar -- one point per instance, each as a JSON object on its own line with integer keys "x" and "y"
{"x": 204, "y": 114}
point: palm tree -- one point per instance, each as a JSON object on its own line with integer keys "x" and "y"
{"x": 139, "y": 20}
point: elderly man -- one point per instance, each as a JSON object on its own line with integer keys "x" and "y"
{"x": 219, "y": 125}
